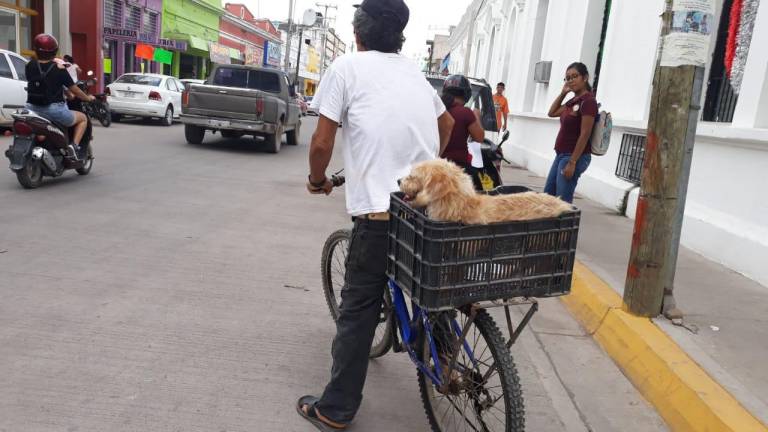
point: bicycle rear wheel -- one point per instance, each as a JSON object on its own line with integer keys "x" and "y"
{"x": 482, "y": 395}
{"x": 334, "y": 267}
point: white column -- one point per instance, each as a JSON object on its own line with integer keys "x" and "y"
{"x": 48, "y": 16}
{"x": 752, "y": 107}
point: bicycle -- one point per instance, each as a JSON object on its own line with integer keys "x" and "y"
{"x": 467, "y": 377}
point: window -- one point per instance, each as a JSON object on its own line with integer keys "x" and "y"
{"x": 140, "y": 79}
{"x": 265, "y": 81}
{"x": 8, "y": 30}
{"x": 170, "y": 85}
{"x": 133, "y": 18}
{"x": 113, "y": 13}
{"x": 20, "y": 65}
{"x": 227, "y": 77}
{"x": 5, "y": 68}
{"x": 720, "y": 102}
{"x": 150, "y": 23}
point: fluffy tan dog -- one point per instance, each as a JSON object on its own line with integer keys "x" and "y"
{"x": 448, "y": 195}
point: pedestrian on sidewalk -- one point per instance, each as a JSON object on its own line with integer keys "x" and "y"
{"x": 456, "y": 93}
{"x": 572, "y": 148}
{"x": 502, "y": 106}
{"x": 392, "y": 119}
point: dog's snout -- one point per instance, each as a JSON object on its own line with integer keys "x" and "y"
{"x": 399, "y": 181}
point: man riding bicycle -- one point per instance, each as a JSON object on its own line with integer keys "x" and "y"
{"x": 392, "y": 119}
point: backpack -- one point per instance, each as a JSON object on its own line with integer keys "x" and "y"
{"x": 601, "y": 133}
{"x": 38, "y": 90}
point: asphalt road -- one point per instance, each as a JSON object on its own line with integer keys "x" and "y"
{"x": 177, "y": 288}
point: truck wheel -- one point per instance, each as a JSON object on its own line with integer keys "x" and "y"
{"x": 274, "y": 141}
{"x": 293, "y": 136}
{"x": 194, "y": 134}
{"x": 231, "y": 134}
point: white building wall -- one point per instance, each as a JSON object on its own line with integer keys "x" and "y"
{"x": 726, "y": 214}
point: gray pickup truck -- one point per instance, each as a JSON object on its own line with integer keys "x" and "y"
{"x": 242, "y": 100}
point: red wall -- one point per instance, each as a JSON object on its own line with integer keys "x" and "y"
{"x": 86, "y": 26}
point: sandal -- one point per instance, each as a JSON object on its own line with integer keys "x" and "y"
{"x": 306, "y": 408}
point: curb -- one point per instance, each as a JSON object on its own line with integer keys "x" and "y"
{"x": 682, "y": 392}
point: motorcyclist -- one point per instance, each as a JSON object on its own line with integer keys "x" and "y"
{"x": 46, "y": 81}
{"x": 456, "y": 93}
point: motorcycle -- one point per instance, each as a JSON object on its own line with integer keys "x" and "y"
{"x": 98, "y": 109}
{"x": 489, "y": 174}
{"x": 38, "y": 148}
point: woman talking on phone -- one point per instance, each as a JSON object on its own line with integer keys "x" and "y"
{"x": 577, "y": 116}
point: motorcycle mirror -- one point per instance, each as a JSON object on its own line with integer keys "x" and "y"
{"x": 89, "y": 73}
{"x": 506, "y": 135}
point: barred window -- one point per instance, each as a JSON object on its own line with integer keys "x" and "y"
{"x": 113, "y": 13}
{"x": 133, "y": 18}
{"x": 150, "y": 22}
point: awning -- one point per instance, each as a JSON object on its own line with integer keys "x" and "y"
{"x": 197, "y": 43}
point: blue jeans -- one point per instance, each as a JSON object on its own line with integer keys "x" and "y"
{"x": 559, "y": 186}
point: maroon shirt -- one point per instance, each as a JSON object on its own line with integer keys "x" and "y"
{"x": 570, "y": 122}
{"x": 457, "y": 150}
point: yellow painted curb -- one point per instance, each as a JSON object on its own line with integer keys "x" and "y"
{"x": 682, "y": 392}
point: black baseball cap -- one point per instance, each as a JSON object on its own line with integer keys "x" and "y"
{"x": 391, "y": 10}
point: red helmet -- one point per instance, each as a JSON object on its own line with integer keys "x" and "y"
{"x": 45, "y": 44}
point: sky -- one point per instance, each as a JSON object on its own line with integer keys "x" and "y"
{"x": 427, "y": 17}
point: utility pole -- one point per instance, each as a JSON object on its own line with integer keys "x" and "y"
{"x": 674, "y": 113}
{"x": 291, "y": 4}
{"x": 325, "y": 33}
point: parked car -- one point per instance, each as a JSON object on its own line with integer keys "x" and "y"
{"x": 242, "y": 100}
{"x": 482, "y": 99}
{"x": 145, "y": 95}
{"x": 302, "y": 104}
{"x": 13, "y": 84}
{"x": 310, "y": 111}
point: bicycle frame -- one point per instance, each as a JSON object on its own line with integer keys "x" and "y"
{"x": 409, "y": 333}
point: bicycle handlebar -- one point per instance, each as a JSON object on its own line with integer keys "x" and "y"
{"x": 337, "y": 180}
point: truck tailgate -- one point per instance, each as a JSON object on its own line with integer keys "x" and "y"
{"x": 226, "y": 102}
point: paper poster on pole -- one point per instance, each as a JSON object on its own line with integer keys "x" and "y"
{"x": 689, "y": 37}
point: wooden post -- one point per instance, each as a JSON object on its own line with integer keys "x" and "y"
{"x": 674, "y": 113}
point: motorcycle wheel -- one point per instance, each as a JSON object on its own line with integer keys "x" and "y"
{"x": 105, "y": 119}
{"x": 88, "y": 164}
{"x": 31, "y": 176}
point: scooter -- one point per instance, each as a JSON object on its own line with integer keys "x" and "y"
{"x": 489, "y": 174}
{"x": 38, "y": 148}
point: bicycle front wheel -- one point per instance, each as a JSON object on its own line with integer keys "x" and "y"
{"x": 334, "y": 268}
{"x": 482, "y": 392}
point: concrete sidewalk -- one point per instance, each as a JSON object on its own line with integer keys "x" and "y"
{"x": 725, "y": 330}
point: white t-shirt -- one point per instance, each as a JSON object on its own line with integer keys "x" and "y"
{"x": 72, "y": 69}
{"x": 389, "y": 114}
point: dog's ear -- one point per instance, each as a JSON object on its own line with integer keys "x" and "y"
{"x": 438, "y": 184}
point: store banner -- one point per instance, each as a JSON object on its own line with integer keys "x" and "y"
{"x": 144, "y": 51}
{"x": 163, "y": 56}
{"x": 219, "y": 53}
{"x": 254, "y": 55}
{"x": 272, "y": 53}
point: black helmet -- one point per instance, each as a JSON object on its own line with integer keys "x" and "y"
{"x": 458, "y": 85}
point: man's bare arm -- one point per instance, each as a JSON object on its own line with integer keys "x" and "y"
{"x": 445, "y": 125}
{"x": 321, "y": 149}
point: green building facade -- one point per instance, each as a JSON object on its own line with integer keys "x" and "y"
{"x": 195, "y": 23}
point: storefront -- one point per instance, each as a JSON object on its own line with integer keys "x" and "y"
{"x": 128, "y": 25}
{"x": 196, "y": 23}
{"x": 20, "y": 20}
